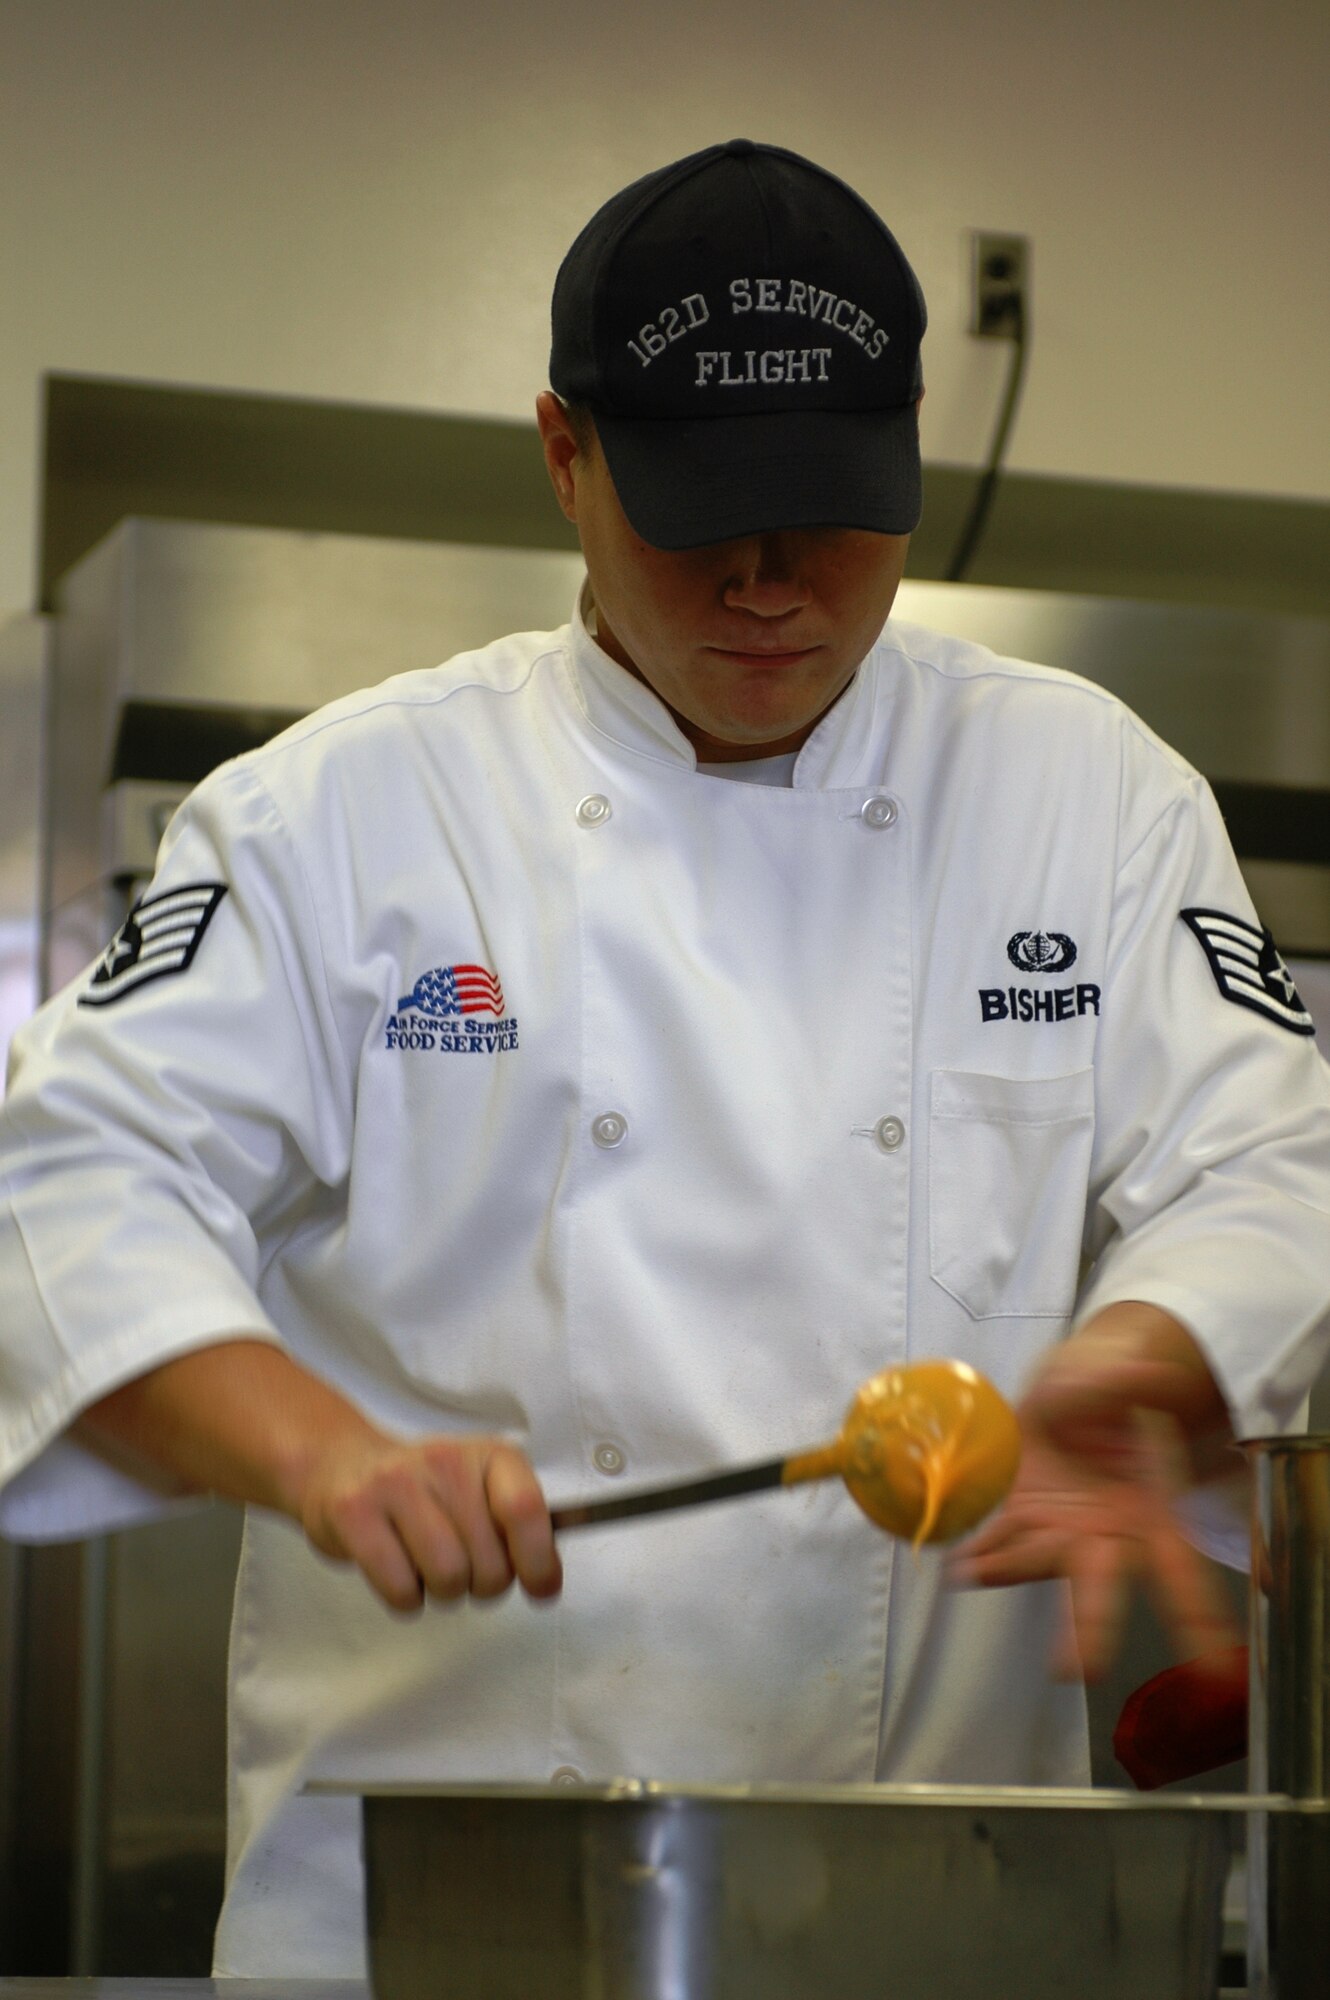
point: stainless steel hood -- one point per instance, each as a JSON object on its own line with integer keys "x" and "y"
{"x": 1245, "y": 697}
{"x": 179, "y": 643}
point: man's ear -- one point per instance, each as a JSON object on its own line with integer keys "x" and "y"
{"x": 561, "y": 449}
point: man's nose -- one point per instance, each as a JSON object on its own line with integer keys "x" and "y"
{"x": 767, "y": 574}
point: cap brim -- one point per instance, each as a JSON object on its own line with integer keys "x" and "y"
{"x": 685, "y": 483}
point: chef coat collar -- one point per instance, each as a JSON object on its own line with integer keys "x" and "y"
{"x": 619, "y": 705}
{"x": 625, "y": 709}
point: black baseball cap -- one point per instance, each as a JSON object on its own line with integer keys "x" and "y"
{"x": 746, "y": 332}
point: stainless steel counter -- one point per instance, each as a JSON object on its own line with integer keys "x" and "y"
{"x": 183, "y": 1989}
{"x": 235, "y": 1989}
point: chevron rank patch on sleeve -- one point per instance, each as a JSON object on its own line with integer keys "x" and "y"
{"x": 1248, "y": 969}
{"x": 159, "y": 936}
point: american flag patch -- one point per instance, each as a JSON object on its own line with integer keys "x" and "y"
{"x": 449, "y": 990}
{"x": 159, "y": 936}
{"x": 1248, "y": 969}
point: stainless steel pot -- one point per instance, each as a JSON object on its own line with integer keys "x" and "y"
{"x": 1288, "y": 1860}
{"x": 636, "y": 1891}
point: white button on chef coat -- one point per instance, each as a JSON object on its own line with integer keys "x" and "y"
{"x": 890, "y": 1134}
{"x": 879, "y": 813}
{"x": 609, "y": 1130}
{"x": 593, "y": 810}
{"x": 608, "y": 1459}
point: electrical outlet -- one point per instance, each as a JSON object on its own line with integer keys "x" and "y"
{"x": 999, "y": 284}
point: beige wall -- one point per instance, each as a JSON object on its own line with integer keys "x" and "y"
{"x": 367, "y": 199}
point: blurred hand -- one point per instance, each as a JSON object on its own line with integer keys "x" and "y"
{"x": 443, "y": 1518}
{"x": 1116, "y": 1422}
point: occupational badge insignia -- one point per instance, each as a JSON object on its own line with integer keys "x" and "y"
{"x": 1041, "y": 951}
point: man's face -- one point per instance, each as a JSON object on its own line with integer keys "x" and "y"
{"x": 747, "y": 642}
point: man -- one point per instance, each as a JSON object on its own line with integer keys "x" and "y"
{"x": 591, "y": 1059}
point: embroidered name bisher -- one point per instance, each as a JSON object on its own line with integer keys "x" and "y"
{"x": 1043, "y": 1003}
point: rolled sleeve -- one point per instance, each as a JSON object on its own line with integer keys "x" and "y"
{"x": 148, "y": 1143}
{"x": 1211, "y": 1172}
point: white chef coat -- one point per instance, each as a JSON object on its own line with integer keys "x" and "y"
{"x": 770, "y": 1088}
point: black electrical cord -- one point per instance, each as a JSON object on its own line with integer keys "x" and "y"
{"x": 977, "y": 519}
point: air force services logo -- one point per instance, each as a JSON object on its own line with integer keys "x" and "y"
{"x": 1248, "y": 969}
{"x": 444, "y": 1012}
{"x": 159, "y": 937}
{"x": 454, "y": 989}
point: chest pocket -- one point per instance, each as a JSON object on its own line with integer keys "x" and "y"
{"x": 1008, "y": 1164}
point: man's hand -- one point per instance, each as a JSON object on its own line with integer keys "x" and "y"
{"x": 446, "y": 1518}
{"x": 443, "y": 1517}
{"x": 1117, "y": 1420}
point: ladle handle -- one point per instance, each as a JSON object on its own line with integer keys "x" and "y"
{"x": 697, "y": 1492}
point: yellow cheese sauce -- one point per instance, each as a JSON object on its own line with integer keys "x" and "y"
{"x": 927, "y": 1450}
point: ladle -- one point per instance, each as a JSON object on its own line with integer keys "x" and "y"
{"x": 926, "y": 1451}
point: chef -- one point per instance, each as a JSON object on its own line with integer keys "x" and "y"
{"x": 587, "y": 1061}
